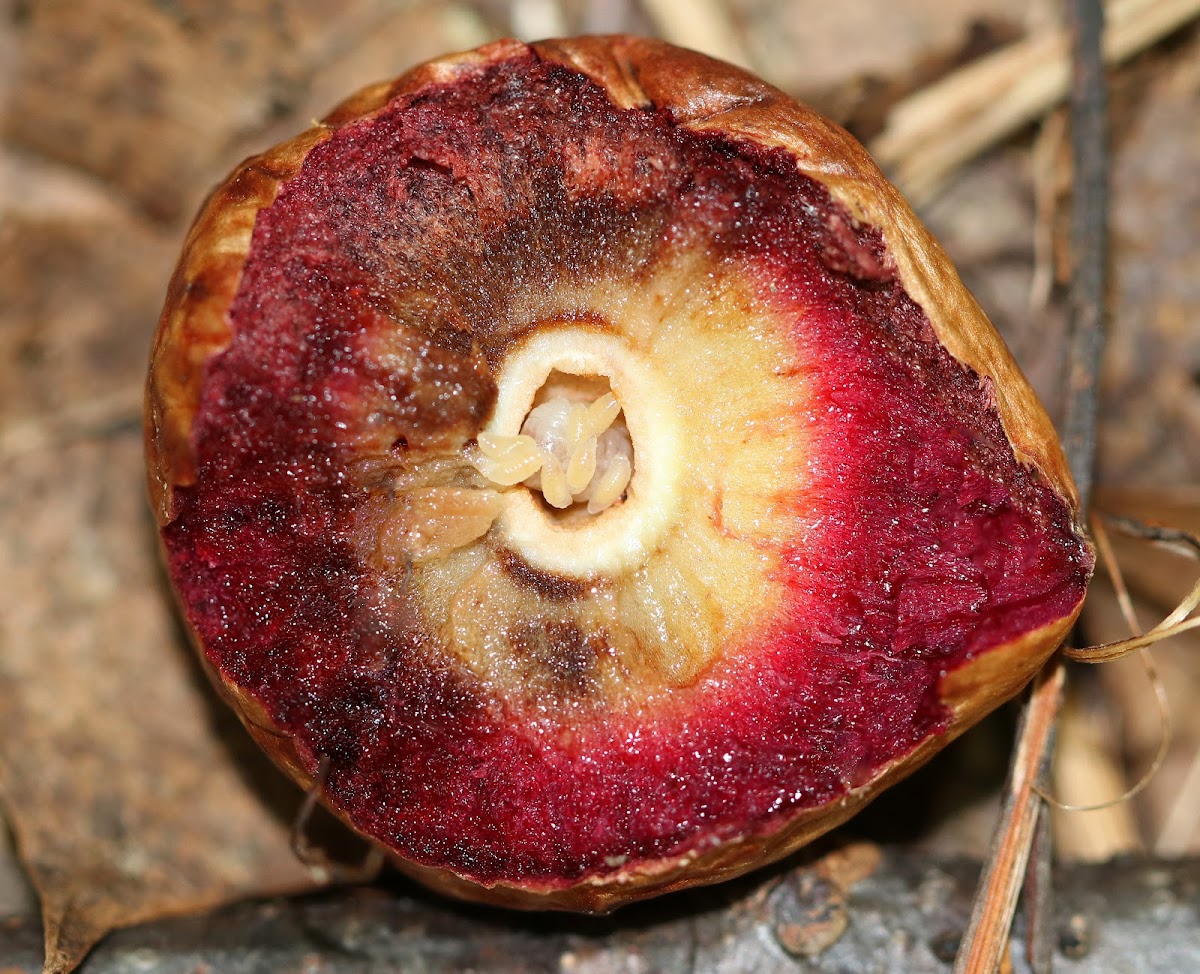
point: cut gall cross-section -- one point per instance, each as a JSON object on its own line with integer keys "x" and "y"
{"x": 583, "y": 452}
{"x": 555, "y": 431}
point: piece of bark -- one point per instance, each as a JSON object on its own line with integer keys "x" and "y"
{"x": 903, "y": 916}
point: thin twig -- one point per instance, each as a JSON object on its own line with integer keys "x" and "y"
{"x": 1116, "y": 577}
{"x": 1184, "y": 542}
{"x": 1044, "y": 163}
{"x": 1008, "y": 861}
{"x": 1039, "y": 891}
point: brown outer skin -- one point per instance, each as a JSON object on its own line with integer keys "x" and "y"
{"x": 700, "y": 94}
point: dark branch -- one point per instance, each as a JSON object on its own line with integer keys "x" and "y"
{"x": 1089, "y": 240}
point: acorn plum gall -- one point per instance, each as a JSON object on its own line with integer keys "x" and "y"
{"x": 583, "y": 453}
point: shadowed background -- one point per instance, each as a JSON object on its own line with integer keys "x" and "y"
{"x": 130, "y": 790}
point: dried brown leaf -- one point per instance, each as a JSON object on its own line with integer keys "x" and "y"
{"x": 126, "y": 802}
{"x": 158, "y": 99}
{"x": 127, "y": 806}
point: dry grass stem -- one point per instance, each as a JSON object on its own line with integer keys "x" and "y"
{"x": 532, "y": 20}
{"x": 1170, "y": 812}
{"x": 1176, "y": 623}
{"x": 986, "y": 939}
{"x": 1106, "y": 652}
{"x": 1086, "y": 763}
{"x": 1086, "y": 766}
{"x": 935, "y": 131}
{"x": 1047, "y": 179}
{"x": 703, "y": 25}
{"x": 1177, "y": 835}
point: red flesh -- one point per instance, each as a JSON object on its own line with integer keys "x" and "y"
{"x": 926, "y": 542}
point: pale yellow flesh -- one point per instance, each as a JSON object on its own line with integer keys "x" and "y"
{"x": 672, "y": 563}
